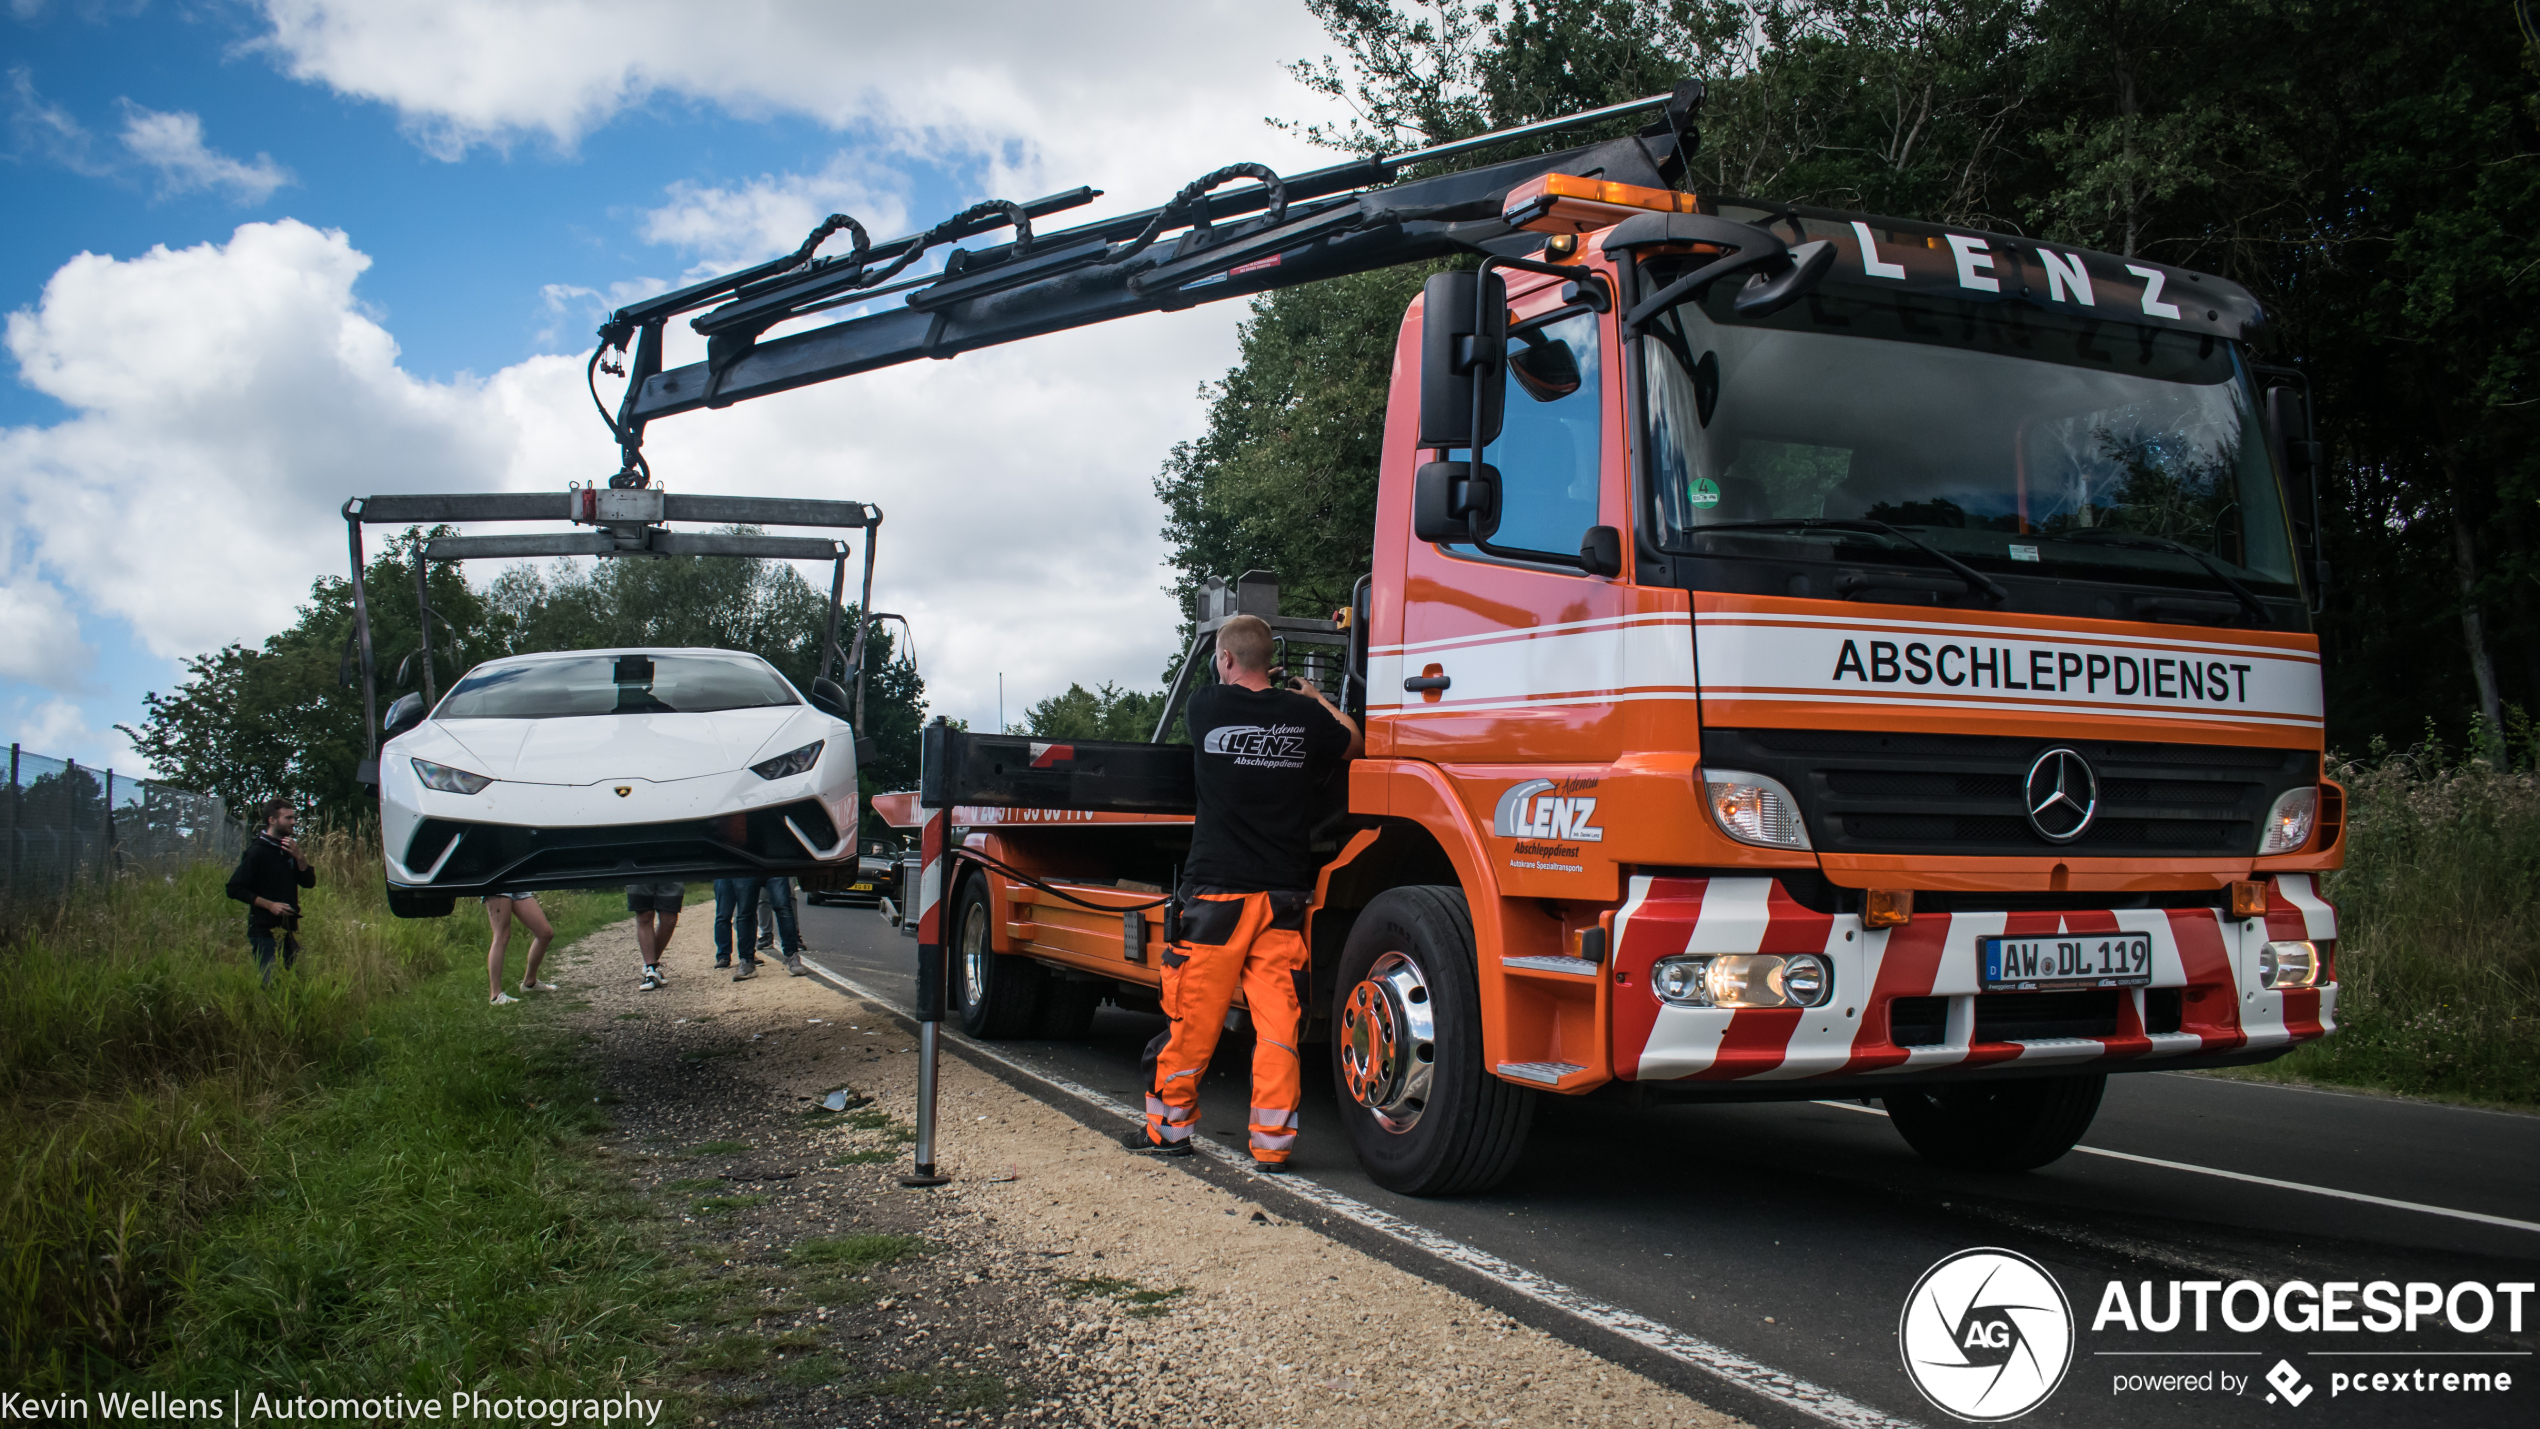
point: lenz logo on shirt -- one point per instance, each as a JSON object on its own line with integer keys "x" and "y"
{"x": 1530, "y": 811}
{"x": 1278, "y": 743}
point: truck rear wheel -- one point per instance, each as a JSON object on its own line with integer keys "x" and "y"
{"x": 1425, "y": 1115}
{"x": 1067, "y": 1007}
{"x": 994, "y": 993}
{"x": 1996, "y": 1126}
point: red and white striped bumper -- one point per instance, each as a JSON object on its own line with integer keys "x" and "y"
{"x": 2209, "y": 957}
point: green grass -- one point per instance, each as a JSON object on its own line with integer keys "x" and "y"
{"x": 854, "y": 1252}
{"x": 726, "y": 1205}
{"x": 694, "y": 1183}
{"x": 2439, "y": 957}
{"x": 810, "y": 1370}
{"x": 871, "y": 1156}
{"x": 344, "y": 1181}
{"x": 717, "y": 1148}
{"x": 1144, "y": 1303}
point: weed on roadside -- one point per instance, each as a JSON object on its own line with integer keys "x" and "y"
{"x": 1144, "y": 1303}
{"x": 854, "y": 1252}
{"x": 718, "y": 1148}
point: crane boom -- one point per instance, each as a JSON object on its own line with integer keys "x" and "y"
{"x": 1349, "y": 218}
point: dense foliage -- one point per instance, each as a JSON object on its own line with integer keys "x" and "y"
{"x": 250, "y": 722}
{"x": 2370, "y": 170}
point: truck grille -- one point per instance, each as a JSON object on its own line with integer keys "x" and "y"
{"x": 1868, "y": 792}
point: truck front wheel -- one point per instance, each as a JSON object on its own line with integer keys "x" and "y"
{"x": 1425, "y": 1115}
{"x": 1996, "y": 1126}
{"x": 995, "y": 993}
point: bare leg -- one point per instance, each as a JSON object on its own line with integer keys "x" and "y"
{"x": 664, "y": 925}
{"x": 498, "y": 912}
{"x": 645, "y": 940}
{"x": 541, "y": 933}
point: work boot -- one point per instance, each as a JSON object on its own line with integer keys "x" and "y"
{"x": 1139, "y": 1142}
{"x": 1270, "y": 1168}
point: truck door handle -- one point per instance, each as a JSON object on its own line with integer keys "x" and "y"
{"x": 1420, "y": 683}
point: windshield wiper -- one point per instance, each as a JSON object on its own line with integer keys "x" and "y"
{"x": 2248, "y": 599}
{"x": 1976, "y": 580}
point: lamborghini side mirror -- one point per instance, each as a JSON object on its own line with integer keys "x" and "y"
{"x": 404, "y": 715}
{"x": 827, "y": 698}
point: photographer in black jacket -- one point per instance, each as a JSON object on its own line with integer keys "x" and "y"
{"x": 270, "y": 875}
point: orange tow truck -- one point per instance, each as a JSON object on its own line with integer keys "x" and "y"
{"x": 1868, "y": 658}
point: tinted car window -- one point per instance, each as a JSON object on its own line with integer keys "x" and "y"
{"x": 617, "y": 684}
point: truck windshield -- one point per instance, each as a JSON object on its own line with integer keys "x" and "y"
{"x": 2015, "y": 442}
{"x": 603, "y": 684}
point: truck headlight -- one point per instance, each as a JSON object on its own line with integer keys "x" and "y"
{"x": 792, "y": 761}
{"x": 1753, "y": 809}
{"x": 1743, "y": 980}
{"x": 2288, "y": 825}
{"x": 447, "y": 779}
{"x": 2293, "y": 964}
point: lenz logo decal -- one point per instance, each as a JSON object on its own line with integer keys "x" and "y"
{"x": 1529, "y": 810}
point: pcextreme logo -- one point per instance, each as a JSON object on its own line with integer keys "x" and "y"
{"x": 1987, "y": 1335}
{"x": 1531, "y": 810}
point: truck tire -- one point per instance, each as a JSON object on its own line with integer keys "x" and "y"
{"x": 993, "y": 993}
{"x": 1425, "y": 1115}
{"x": 1067, "y": 1007}
{"x": 1996, "y": 1126}
{"x": 419, "y": 903}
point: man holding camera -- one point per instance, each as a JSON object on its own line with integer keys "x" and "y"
{"x": 1264, "y": 756}
{"x": 271, "y": 873}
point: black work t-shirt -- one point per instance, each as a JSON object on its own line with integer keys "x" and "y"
{"x": 1263, "y": 757}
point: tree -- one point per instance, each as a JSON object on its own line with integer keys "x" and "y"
{"x": 1109, "y": 712}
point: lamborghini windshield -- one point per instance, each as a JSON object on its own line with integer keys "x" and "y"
{"x": 2015, "y": 443}
{"x": 602, "y": 684}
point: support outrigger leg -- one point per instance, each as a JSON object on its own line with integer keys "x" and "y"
{"x": 931, "y": 969}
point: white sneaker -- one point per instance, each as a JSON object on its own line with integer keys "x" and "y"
{"x": 530, "y": 985}
{"x": 503, "y": 999}
{"x": 652, "y": 980}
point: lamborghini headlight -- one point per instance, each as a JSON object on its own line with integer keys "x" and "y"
{"x": 789, "y": 763}
{"x": 447, "y": 779}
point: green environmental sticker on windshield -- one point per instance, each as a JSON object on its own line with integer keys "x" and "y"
{"x": 1705, "y": 493}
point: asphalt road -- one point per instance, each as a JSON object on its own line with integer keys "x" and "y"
{"x": 1792, "y": 1233}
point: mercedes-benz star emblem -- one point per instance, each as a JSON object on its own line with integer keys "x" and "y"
{"x": 2062, "y": 795}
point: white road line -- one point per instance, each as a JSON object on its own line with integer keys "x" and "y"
{"x": 2419, "y": 1207}
{"x": 1813, "y": 1400}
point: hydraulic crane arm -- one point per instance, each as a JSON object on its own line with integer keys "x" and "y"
{"x": 1349, "y": 218}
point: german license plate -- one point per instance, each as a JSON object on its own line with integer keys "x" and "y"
{"x": 2037, "y": 964}
{"x": 861, "y": 888}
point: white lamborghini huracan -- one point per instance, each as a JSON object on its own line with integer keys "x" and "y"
{"x": 590, "y": 768}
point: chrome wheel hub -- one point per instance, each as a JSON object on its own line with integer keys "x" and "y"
{"x": 974, "y": 953}
{"x": 1389, "y": 1042}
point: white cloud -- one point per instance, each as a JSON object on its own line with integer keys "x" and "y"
{"x": 58, "y": 729}
{"x": 39, "y": 126}
{"x": 228, "y": 398}
{"x": 1033, "y": 97}
{"x": 728, "y": 226}
{"x": 173, "y": 145}
{"x": 43, "y": 645}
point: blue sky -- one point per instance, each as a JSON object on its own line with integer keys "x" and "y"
{"x": 180, "y": 425}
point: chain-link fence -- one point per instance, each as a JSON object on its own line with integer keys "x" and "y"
{"x": 67, "y": 827}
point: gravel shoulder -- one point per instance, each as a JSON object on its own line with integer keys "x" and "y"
{"x": 1058, "y": 1280}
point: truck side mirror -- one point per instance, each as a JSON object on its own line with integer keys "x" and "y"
{"x": 2301, "y": 460}
{"x": 1455, "y": 501}
{"x": 404, "y": 715}
{"x": 1768, "y": 292}
{"x": 1601, "y": 551}
{"x": 1462, "y": 360}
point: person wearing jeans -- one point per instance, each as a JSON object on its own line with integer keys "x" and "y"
{"x": 736, "y": 901}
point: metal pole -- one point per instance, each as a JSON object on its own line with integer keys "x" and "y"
{"x": 13, "y": 854}
{"x": 829, "y": 637}
{"x": 423, "y": 628}
{"x": 864, "y": 611}
{"x": 70, "y": 809}
{"x": 106, "y": 855}
{"x": 361, "y": 624}
{"x": 931, "y": 783}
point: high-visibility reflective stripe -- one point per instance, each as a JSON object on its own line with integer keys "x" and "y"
{"x": 1273, "y": 1116}
{"x": 1273, "y": 1141}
